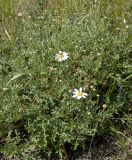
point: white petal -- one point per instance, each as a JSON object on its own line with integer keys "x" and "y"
{"x": 85, "y": 94}
{"x": 56, "y": 56}
{"x": 74, "y": 96}
{"x": 76, "y": 90}
{"x": 80, "y": 89}
{"x": 79, "y": 97}
{"x": 66, "y": 54}
{"x": 66, "y": 57}
{"x": 60, "y": 60}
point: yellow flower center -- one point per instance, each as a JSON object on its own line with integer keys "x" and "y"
{"x": 62, "y": 56}
{"x": 80, "y": 93}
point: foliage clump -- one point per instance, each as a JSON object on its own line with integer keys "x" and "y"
{"x": 37, "y": 110}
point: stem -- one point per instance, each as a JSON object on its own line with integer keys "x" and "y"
{"x": 92, "y": 140}
{"x": 65, "y": 153}
{"x": 127, "y": 77}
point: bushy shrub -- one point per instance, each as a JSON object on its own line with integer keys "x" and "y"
{"x": 38, "y": 111}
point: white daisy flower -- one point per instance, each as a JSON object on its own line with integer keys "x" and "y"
{"x": 78, "y": 94}
{"x": 61, "y": 56}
